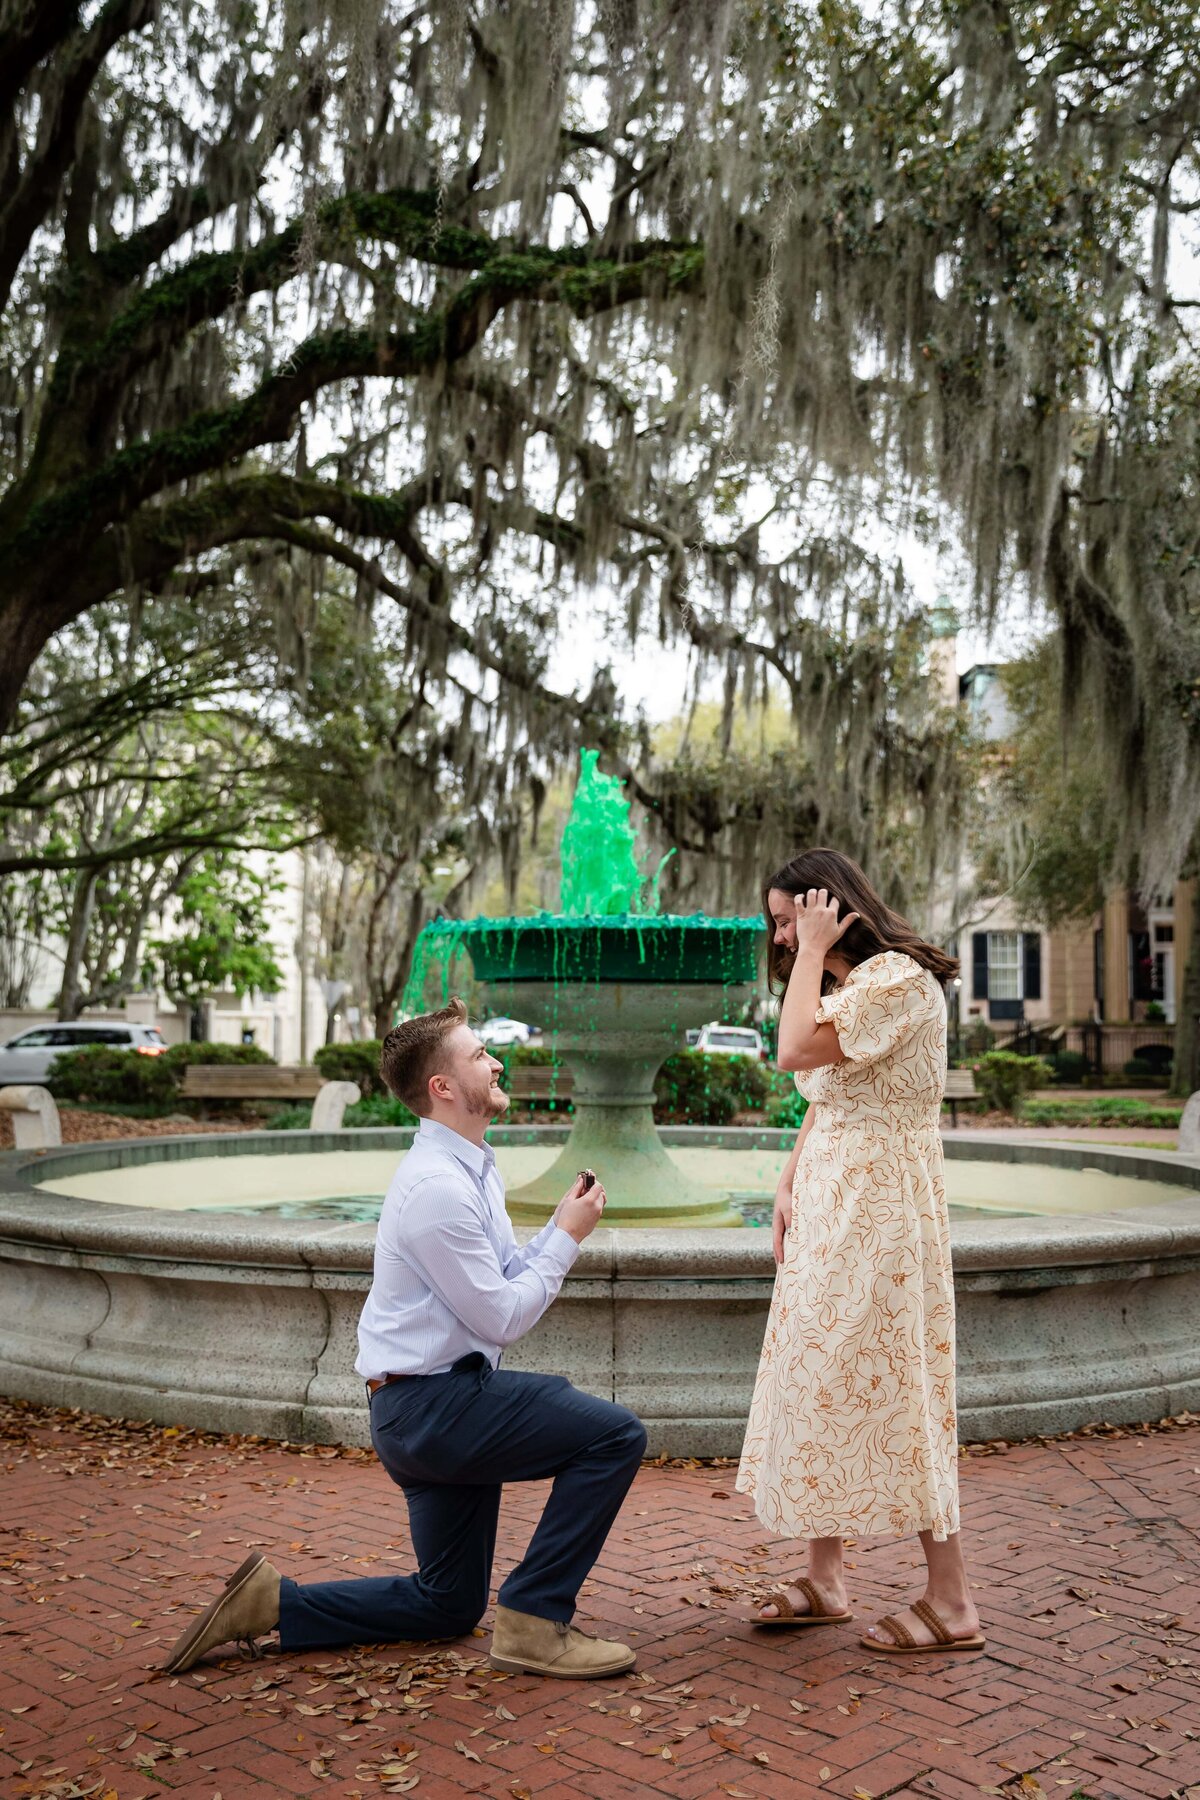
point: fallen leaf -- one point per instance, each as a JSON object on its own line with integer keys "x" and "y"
{"x": 471, "y": 1755}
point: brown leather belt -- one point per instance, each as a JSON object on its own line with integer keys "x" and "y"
{"x": 373, "y": 1387}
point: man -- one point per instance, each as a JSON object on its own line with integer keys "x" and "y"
{"x": 450, "y": 1291}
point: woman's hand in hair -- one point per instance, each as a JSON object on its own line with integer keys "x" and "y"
{"x": 818, "y": 927}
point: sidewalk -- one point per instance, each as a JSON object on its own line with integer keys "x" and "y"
{"x": 1086, "y": 1553}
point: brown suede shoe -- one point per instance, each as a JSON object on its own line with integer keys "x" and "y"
{"x": 523, "y": 1644}
{"x": 248, "y": 1608}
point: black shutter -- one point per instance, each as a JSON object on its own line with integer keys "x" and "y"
{"x": 1033, "y": 965}
{"x": 979, "y": 984}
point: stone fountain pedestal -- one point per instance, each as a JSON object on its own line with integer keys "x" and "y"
{"x": 614, "y": 1036}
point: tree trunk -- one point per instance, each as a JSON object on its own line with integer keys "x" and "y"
{"x": 70, "y": 997}
{"x": 1186, "y": 1078}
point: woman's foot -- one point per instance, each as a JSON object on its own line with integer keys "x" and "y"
{"x": 956, "y": 1615}
{"x": 831, "y": 1598}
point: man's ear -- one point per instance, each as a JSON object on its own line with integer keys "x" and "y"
{"x": 438, "y": 1089}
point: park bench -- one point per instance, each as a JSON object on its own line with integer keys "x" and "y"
{"x": 268, "y": 1081}
{"x": 250, "y": 1081}
{"x": 538, "y": 1084}
{"x": 960, "y": 1085}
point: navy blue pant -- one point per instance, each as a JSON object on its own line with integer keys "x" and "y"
{"x": 451, "y": 1441}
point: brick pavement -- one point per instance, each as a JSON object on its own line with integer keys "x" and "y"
{"x": 1085, "y": 1552}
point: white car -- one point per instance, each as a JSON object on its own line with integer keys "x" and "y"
{"x": 731, "y": 1040}
{"x": 500, "y": 1034}
{"x": 28, "y": 1058}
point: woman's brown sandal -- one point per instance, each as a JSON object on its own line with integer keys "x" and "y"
{"x": 788, "y": 1618}
{"x": 905, "y": 1644}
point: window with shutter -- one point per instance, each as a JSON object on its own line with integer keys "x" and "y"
{"x": 1005, "y": 969}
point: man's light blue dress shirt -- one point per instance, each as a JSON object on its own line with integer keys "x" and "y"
{"x": 448, "y": 1277}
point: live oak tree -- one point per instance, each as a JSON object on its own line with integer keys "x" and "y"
{"x": 477, "y": 301}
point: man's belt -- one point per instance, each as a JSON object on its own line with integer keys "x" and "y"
{"x": 373, "y": 1387}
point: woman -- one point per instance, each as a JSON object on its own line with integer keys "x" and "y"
{"x": 852, "y": 1427}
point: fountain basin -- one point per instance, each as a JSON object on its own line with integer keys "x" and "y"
{"x": 247, "y": 1322}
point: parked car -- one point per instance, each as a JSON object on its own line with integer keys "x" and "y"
{"x": 732, "y": 1040}
{"x": 501, "y": 1033}
{"x": 28, "y": 1058}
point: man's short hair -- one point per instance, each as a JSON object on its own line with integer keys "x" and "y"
{"x": 415, "y": 1050}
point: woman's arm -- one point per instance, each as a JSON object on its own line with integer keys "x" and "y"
{"x": 783, "y": 1193}
{"x": 803, "y": 1044}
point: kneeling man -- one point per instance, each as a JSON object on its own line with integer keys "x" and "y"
{"x": 450, "y": 1290}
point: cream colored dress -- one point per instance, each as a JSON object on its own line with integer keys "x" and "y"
{"x": 852, "y": 1426}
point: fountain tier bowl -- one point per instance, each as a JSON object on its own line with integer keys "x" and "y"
{"x": 631, "y": 948}
{"x": 614, "y": 999}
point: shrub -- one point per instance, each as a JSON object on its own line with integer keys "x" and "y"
{"x": 358, "y": 1061}
{"x": 180, "y": 1055}
{"x": 694, "y": 1089}
{"x": 1105, "y": 1109}
{"x": 1145, "y": 1073}
{"x": 1071, "y": 1067}
{"x": 105, "y": 1076}
{"x": 364, "y": 1113}
{"x": 786, "y": 1112}
{"x": 1155, "y": 1012}
{"x": 524, "y": 1056}
{"x": 1004, "y": 1079}
{"x": 979, "y": 1038}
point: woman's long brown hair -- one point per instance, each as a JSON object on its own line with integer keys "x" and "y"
{"x": 876, "y": 929}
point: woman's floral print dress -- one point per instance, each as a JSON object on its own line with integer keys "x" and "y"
{"x": 852, "y": 1426}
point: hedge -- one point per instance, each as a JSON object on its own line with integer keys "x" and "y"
{"x": 357, "y": 1061}
{"x": 102, "y": 1075}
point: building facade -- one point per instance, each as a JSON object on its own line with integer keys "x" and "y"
{"x": 1123, "y": 967}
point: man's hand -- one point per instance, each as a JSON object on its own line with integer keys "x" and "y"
{"x": 781, "y": 1222}
{"x": 578, "y": 1213}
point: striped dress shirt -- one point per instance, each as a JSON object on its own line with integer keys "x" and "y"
{"x": 448, "y": 1275}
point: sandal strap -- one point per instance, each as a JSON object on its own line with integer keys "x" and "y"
{"x": 922, "y": 1610}
{"x": 816, "y": 1606}
{"x": 783, "y": 1606}
{"x": 899, "y": 1634}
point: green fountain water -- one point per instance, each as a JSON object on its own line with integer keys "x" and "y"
{"x": 614, "y": 985}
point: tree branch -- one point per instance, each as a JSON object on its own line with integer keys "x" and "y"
{"x": 213, "y": 440}
{"x": 63, "y": 103}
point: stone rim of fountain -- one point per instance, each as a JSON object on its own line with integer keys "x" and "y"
{"x": 247, "y": 1323}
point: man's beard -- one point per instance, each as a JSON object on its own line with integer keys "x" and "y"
{"x": 486, "y": 1108}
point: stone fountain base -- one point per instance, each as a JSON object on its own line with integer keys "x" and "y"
{"x": 614, "y": 1037}
{"x": 248, "y": 1323}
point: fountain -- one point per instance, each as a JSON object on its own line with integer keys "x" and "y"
{"x": 614, "y": 986}
{"x": 217, "y": 1280}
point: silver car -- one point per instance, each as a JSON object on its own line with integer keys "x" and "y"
{"x": 28, "y": 1058}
